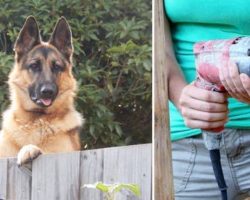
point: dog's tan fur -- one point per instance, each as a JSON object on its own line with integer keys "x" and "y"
{"x": 54, "y": 129}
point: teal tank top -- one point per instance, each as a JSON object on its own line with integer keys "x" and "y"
{"x": 192, "y": 21}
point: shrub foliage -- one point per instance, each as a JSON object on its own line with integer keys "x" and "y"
{"x": 112, "y": 62}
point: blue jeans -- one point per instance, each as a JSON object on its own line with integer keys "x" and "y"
{"x": 193, "y": 173}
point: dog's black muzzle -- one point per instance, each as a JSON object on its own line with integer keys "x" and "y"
{"x": 43, "y": 94}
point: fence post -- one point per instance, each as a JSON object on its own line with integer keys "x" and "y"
{"x": 163, "y": 187}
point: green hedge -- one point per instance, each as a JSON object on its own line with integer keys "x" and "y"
{"x": 112, "y": 62}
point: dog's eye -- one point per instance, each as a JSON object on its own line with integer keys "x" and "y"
{"x": 57, "y": 68}
{"x": 35, "y": 67}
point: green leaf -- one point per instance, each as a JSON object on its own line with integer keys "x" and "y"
{"x": 112, "y": 189}
{"x": 110, "y": 87}
{"x": 118, "y": 130}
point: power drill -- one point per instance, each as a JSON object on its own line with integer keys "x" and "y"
{"x": 209, "y": 57}
{"x": 212, "y": 54}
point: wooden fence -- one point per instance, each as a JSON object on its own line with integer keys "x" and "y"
{"x": 61, "y": 176}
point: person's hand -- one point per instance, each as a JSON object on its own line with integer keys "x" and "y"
{"x": 203, "y": 109}
{"x": 237, "y": 85}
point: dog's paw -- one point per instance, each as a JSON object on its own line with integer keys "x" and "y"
{"x": 27, "y": 154}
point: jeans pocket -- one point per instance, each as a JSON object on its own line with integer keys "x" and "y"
{"x": 183, "y": 158}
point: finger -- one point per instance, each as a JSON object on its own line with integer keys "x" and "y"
{"x": 204, "y": 124}
{"x": 223, "y": 78}
{"x": 245, "y": 82}
{"x": 226, "y": 79}
{"x": 203, "y": 105}
{"x": 235, "y": 77}
{"x": 240, "y": 97}
{"x": 203, "y": 116}
{"x": 205, "y": 95}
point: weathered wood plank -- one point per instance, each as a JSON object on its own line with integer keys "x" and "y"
{"x": 56, "y": 177}
{"x": 91, "y": 171}
{"x": 18, "y": 186}
{"x": 3, "y": 178}
{"x": 131, "y": 164}
{"x": 163, "y": 179}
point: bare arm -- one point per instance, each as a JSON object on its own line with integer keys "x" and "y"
{"x": 199, "y": 108}
{"x": 176, "y": 80}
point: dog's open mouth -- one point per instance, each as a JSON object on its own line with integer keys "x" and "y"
{"x": 44, "y": 102}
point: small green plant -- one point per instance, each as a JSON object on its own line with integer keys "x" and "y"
{"x": 110, "y": 190}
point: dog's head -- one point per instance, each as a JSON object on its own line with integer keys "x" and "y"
{"x": 42, "y": 74}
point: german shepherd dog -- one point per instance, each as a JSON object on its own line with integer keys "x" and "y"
{"x": 42, "y": 117}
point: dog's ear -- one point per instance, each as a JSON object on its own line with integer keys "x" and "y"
{"x": 28, "y": 37}
{"x": 62, "y": 38}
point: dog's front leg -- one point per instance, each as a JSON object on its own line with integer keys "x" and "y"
{"x": 28, "y": 153}
{"x": 8, "y": 148}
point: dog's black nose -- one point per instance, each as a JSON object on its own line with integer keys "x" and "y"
{"x": 48, "y": 90}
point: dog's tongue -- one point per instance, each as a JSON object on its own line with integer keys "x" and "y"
{"x": 46, "y": 102}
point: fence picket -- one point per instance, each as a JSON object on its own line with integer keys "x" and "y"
{"x": 18, "y": 184}
{"x": 3, "y": 178}
{"x": 91, "y": 172}
{"x": 56, "y": 177}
